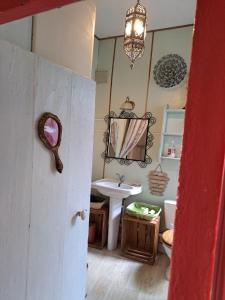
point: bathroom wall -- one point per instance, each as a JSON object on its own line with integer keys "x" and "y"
{"x": 147, "y": 95}
{"x": 18, "y": 33}
{"x": 66, "y": 36}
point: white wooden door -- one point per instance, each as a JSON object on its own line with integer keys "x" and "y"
{"x": 42, "y": 253}
{"x": 58, "y": 247}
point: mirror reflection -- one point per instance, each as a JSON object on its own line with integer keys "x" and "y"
{"x": 128, "y": 139}
{"x": 51, "y": 131}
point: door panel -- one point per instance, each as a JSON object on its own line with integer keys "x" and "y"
{"x": 79, "y": 187}
{"x": 49, "y": 188}
{"x": 58, "y": 247}
{"x": 16, "y": 168}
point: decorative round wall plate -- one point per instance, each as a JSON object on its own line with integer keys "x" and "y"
{"x": 170, "y": 70}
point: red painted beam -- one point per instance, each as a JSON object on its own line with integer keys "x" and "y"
{"x": 6, "y": 5}
{"x": 199, "y": 192}
{"x": 16, "y": 9}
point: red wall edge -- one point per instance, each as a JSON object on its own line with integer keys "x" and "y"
{"x": 12, "y": 11}
{"x": 219, "y": 271}
{"x": 200, "y": 178}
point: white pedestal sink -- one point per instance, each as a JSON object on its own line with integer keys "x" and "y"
{"x": 111, "y": 188}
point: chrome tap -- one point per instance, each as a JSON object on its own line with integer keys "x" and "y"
{"x": 121, "y": 179}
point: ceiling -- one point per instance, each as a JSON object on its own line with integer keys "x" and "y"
{"x": 161, "y": 14}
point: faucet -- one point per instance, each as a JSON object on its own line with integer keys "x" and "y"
{"x": 121, "y": 179}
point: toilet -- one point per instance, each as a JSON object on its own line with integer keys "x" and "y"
{"x": 167, "y": 236}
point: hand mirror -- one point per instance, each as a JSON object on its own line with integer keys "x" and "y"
{"x": 50, "y": 133}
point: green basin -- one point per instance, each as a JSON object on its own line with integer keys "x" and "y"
{"x": 143, "y": 210}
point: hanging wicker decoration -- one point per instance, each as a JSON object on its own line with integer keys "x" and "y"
{"x": 158, "y": 181}
{"x": 135, "y": 32}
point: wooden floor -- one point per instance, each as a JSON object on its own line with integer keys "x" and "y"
{"x": 112, "y": 277}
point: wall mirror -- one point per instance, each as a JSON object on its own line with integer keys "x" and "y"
{"x": 128, "y": 138}
{"x": 50, "y": 133}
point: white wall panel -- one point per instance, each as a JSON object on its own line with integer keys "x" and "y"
{"x": 98, "y": 162}
{"x": 18, "y": 33}
{"x": 65, "y": 36}
{"x": 105, "y": 62}
{"x": 176, "y": 41}
{"x": 132, "y": 83}
{"x": 16, "y": 133}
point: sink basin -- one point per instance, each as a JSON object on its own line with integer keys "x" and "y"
{"x": 110, "y": 188}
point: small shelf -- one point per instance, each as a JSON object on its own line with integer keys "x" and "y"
{"x": 170, "y": 158}
{"x": 172, "y": 134}
{"x": 175, "y": 110}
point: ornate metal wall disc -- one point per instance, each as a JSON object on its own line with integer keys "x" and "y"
{"x": 170, "y": 70}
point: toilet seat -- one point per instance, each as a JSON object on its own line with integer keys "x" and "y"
{"x": 167, "y": 237}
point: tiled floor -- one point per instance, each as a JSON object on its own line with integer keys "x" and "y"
{"x": 112, "y": 277}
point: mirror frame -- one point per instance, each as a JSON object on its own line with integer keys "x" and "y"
{"x": 149, "y": 140}
{"x": 41, "y": 134}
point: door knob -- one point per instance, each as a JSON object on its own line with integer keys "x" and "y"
{"x": 81, "y": 214}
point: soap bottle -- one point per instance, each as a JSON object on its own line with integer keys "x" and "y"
{"x": 172, "y": 150}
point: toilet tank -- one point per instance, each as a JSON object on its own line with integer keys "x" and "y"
{"x": 169, "y": 210}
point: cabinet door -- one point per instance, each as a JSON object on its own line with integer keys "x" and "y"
{"x": 16, "y": 138}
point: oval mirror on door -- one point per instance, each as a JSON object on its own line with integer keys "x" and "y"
{"x": 50, "y": 133}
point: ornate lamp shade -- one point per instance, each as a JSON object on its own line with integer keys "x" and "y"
{"x": 135, "y": 32}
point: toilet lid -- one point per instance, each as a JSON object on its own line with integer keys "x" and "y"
{"x": 167, "y": 237}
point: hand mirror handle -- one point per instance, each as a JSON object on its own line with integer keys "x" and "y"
{"x": 58, "y": 162}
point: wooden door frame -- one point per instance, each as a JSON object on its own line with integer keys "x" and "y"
{"x": 196, "y": 272}
{"x": 199, "y": 240}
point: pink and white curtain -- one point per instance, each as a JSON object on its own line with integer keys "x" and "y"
{"x": 118, "y": 133}
{"x": 134, "y": 133}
